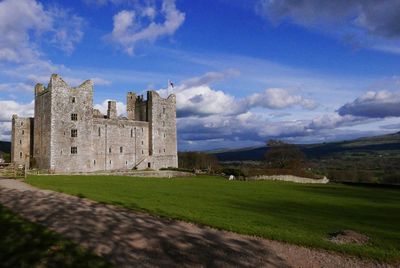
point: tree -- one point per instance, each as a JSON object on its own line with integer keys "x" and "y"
{"x": 284, "y": 155}
{"x": 197, "y": 160}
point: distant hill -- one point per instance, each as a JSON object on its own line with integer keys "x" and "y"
{"x": 384, "y": 144}
{"x": 5, "y": 146}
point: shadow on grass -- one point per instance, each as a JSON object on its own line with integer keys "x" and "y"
{"x": 25, "y": 244}
{"x": 138, "y": 239}
{"x": 309, "y": 222}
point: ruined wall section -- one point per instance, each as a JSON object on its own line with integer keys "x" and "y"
{"x": 119, "y": 144}
{"x": 162, "y": 122}
{"x": 42, "y": 129}
{"x": 71, "y": 126}
{"x": 21, "y": 140}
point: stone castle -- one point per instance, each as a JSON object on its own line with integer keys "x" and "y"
{"x": 68, "y": 135}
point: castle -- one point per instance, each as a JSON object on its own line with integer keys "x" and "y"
{"x": 68, "y": 135}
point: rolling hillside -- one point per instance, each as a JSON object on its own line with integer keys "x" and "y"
{"x": 5, "y": 146}
{"x": 379, "y": 146}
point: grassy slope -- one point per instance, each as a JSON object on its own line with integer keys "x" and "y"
{"x": 25, "y": 244}
{"x": 296, "y": 213}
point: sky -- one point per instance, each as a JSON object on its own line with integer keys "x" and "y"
{"x": 244, "y": 71}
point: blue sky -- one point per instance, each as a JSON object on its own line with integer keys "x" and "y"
{"x": 245, "y": 71}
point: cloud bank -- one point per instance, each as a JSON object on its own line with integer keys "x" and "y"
{"x": 131, "y": 27}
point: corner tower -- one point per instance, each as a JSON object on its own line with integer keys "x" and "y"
{"x": 162, "y": 130}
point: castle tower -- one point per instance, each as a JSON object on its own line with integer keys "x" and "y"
{"x": 112, "y": 110}
{"x": 162, "y": 130}
{"x": 130, "y": 105}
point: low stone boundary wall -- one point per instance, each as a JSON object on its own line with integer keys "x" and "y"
{"x": 138, "y": 173}
{"x": 289, "y": 178}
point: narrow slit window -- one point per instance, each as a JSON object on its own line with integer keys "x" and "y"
{"x": 23, "y": 132}
{"x": 99, "y": 132}
{"x": 121, "y": 149}
{"x": 73, "y": 100}
{"x": 20, "y": 141}
{"x": 74, "y": 150}
{"x": 131, "y": 133}
{"x": 20, "y": 154}
{"x": 94, "y": 162}
{"x": 74, "y": 133}
{"x": 109, "y": 150}
{"x": 163, "y": 110}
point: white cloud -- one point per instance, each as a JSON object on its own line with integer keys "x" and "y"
{"x": 24, "y": 23}
{"x": 278, "y": 98}
{"x": 102, "y": 107}
{"x": 10, "y": 107}
{"x": 129, "y": 29}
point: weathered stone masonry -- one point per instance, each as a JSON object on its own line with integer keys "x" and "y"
{"x": 68, "y": 135}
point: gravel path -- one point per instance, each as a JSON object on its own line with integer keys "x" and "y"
{"x": 128, "y": 238}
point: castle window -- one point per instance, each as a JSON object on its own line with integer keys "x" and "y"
{"x": 74, "y": 150}
{"x": 110, "y": 162}
{"x": 142, "y": 151}
{"x": 99, "y": 132}
{"x": 163, "y": 110}
{"x": 164, "y": 150}
{"x": 23, "y": 132}
{"x": 109, "y": 150}
{"x": 74, "y": 133}
{"x": 163, "y": 123}
{"x": 142, "y": 142}
{"x": 131, "y": 133}
{"x": 20, "y": 154}
{"x": 164, "y": 135}
{"x": 94, "y": 162}
{"x": 121, "y": 150}
{"x": 22, "y": 123}
{"x": 73, "y": 100}
{"x": 20, "y": 141}
{"x": 74, "y": 117}
{"x": 126, "y": 162}
{"x": 149, "y": 165}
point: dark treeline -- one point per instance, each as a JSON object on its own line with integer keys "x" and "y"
{"x": 198, "y": 160}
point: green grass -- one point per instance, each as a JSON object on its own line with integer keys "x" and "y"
{"x": 297, "y": 213}
{"x": 25, "y": 244}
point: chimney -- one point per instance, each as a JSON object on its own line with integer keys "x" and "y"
{"x": 112, "y": 110}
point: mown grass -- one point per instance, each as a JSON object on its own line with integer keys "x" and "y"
{"x": 25, "y": 244}
{"x": 303, "y": 214}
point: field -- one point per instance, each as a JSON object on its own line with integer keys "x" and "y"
{"x": 296, "y": 213}
{"x": 24, "y": 244}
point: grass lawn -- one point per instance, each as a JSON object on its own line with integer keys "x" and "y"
{"x": 25, "y": 244}
{"x": 297, "y": 213}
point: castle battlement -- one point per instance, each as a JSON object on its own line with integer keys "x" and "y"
{"x": 67, "y": 134}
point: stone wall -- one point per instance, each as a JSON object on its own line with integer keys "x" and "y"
{"x": 42, "y": 128}
{"x": 289, "y": 178}
{"x": 21, "y": 140}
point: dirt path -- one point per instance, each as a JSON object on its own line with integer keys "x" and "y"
{"x": 127, "y": 238}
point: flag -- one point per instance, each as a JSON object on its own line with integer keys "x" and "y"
{"x": 171, "y": 84}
